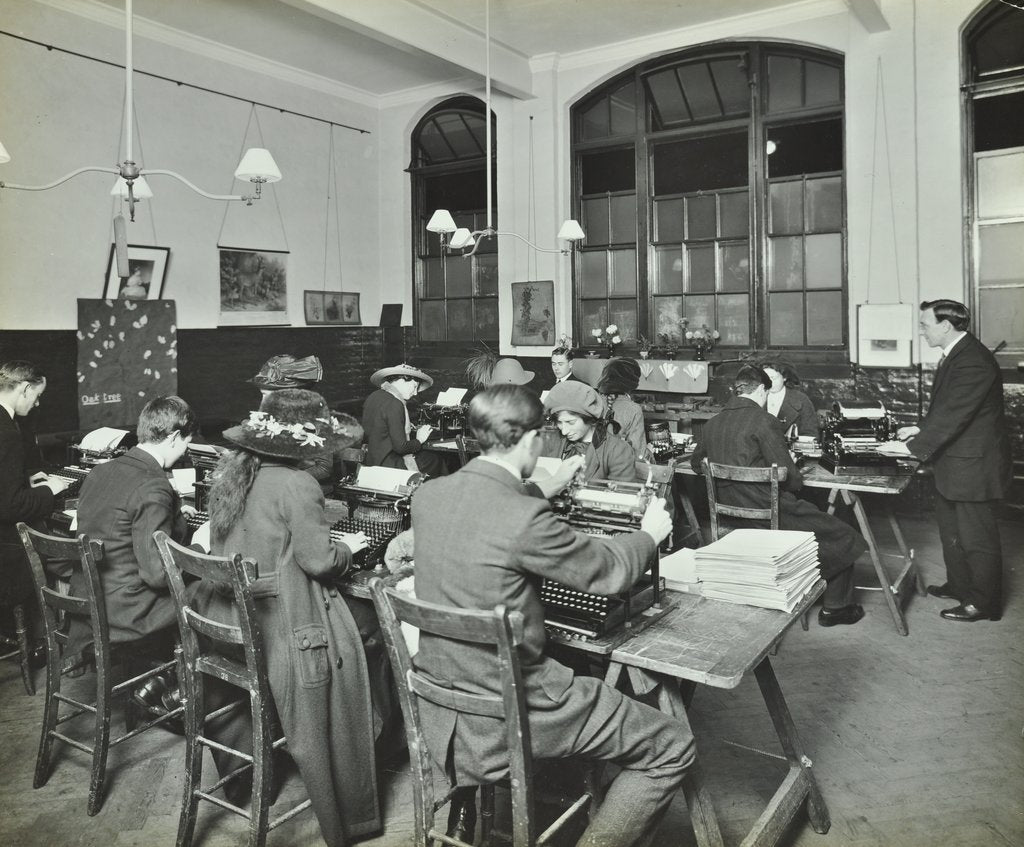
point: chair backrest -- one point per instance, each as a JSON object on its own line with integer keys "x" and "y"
{"x": 83, "y": 554}
{"x": 764, "y": 476}
{"x": 231, "y": 576}
{"x": 499, "y": 628}
{"x": 353, "y": 455}
{"x": 460, "y": 445}
{"x": 660, "y": 475}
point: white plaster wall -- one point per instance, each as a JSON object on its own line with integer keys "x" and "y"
{"x": 59, "y": 112}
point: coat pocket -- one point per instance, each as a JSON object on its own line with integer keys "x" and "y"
{"x": 971, "y": 447}
{"x": 311, "y": 655}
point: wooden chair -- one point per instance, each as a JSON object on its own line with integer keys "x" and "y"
{"x": 86, "y": 553}
{"x": 208, "y": 648}
{"x": 503, "y": 630}
{"x": 460, "y": 445}
{"x": 20, "y": 648}
{"x": 353, "y": 456}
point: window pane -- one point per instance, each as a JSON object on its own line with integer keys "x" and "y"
{"x": 700, "y": 217}
{"x": 999, "y": 121}
{"x": 611, "y": 170}
{"x": 698, "y": 90}
{"x": 431, "y": 244}
{"x": 595, "y": 119}
{"x": 594, "y": 273}
{"x": 786, "y": 319}
{"x": 668, "y": 311}
{"x": 623, "y": 219}
{"x": 623, "y": 315}
{"x": 787, "y": 263}
{"x": 668, "y": 268}
{"x": 623, "y": 272}
{"x": 825, "y": 317}
{"x": 700, "y": 164}
{"x": 1001, "y": 185}
{"x": 1002, "y": 254}
{"x": 734, "y": 210}
{"x": 784, "y": 83}
{"x": 595, "y": 315}
{"x": 734, "y": 319}
{"x": 487, "y": 274}
{"x": 700, "y": 272}
{"x": 623, "y": 109}
{"x": 824, "y": 204}
{"x": 1002, "y": 316}
{"x": 700, "y": 311}
{"x": 735, "y": 267}
{"x": 733, "y": 87}
{"x": 807, "y": 148}
{"x": 486, "y": 319}
{"x": 787, "y": 210}
{"x": 460, "y": 276}
{"x": 823, "y": 255}
{"x": 433, "y": 278}
{"x": 459, "y": 136}
{"x": 997, "y": 42}
{"x": 595, "y": 220}
{"x": 460, "y": 320}
{"x": 822, "y": 84}
{"x": 668, "y": 220}
{"x": 432, "y": 322}
{"x": 667, "y": 99}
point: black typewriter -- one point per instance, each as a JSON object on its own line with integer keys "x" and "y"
{"x": 197, "y": 520}
{"x": 74, "y": 475}
{"x": 851, "y": 437}
{"x": 447, "y": 421}
{"x": 378, "y": 536}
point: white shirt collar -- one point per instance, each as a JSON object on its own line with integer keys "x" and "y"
{"x": 952, "y": 344}
{"x": 501, "y": 463}
{"x": 10, "y": 409}
{"x": 564, "y": 378}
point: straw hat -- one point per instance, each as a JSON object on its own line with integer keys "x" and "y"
{"x": 401, "y": 370}
{"x": 575, "y": 397}
{"x": 285, "y": 371}
{"x": 509, "y": 372}
{"x": 294, "y": 423}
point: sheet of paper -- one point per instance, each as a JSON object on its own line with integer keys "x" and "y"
{"x": 546, "y": 466}
{"x": 202, "y": 536}
{"x": 204, "y": 450}
{"x": 893, "y": 448}
{"x": 183, "y": 480}
{"x": 680, "y": 566}
{"x": 383, "y": 479}
{"x": 451, "y": 396}
{"x": 104, "y": 438}
{"x": 543, "y": 396}
{"x": 73, "y": 514}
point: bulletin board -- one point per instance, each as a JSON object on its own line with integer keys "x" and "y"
{"x": 885, "y": 333}
{"x": 127, "y": 355}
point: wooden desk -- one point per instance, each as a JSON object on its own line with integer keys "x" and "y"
{"x": 848, "y": 489}
{"x": 711, "y": 642}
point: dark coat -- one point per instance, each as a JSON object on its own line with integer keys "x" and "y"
{"x": 613, "y": 458}
{"x": 745, "y": 435}
{"x": 122, "y": 503}
{"x": 19, "y": 501}
{"x": 798, "y": 409}
{"x": 964, "y": 434}
{"x": 315, "y": 660}
{"x": 481, "y": 542}
{"x": 387, "y": 440}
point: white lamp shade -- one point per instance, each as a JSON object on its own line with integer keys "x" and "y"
{"x": 4, "y": 155}
{"x": 461, "y": 239}
{"x": 140, "y": 188}
{"x": 571, "y": 231}
{"x": 441, "y": 221}
{"x": 258, "y": 165}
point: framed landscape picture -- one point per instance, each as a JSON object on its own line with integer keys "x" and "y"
{"x": 147, "y": 267}
{"x": 253, "y": 287}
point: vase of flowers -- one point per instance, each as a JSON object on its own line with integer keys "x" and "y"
{"x": 702, "y": 340}
{"x": 608, "y": 337}
{"x": 643, "y": 346}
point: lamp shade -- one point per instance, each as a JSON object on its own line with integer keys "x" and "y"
{"x": 140, "y": 188}
{"x": 571, "y": 231}
{"x": 4, "y": 155}
{"x": 258, "y": 165}
{"x": 441, "y": 221}
{"x": 461, "y": 239}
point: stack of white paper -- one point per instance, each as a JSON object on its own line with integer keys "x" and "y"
{"x": 772, "y": 569}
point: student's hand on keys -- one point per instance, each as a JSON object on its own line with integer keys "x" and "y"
{"x": 38, "y": 478}
{"x": 189, "y": 511}
{"x": 55, "y": 484}
{"x": 423, "y": 433}
{"x": 905, "y": 432}
{"x": 355, "y": 541}
{"x": 565, "y": 472}
{"x": 656, "y": 522}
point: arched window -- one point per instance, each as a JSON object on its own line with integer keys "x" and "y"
{"x": 993, "y": 53}
{"x": 710, "y": 184}
{"x": 456, "y": 298}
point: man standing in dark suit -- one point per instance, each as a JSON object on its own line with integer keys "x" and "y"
{"x": 745, "y": 435}
{"x": 965, "y": 440}
{"x": 482, "y": 541}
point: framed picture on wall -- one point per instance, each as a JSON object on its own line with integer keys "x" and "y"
{"x": 253, "y": 287}
{"x": 332, "y": 307}
{"x": 147, "y": 267}
{"x": 533, "y": 313}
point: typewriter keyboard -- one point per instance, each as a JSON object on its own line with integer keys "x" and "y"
{"x": 378, "y": 535}
{"x": 197, "y": 520}
{"x": 74, "y": 475}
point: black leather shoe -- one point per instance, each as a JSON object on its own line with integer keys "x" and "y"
{"x": 37, "y": 656}
{"x": 967, "y": 612}
{"x": 845, "y": 616}
{"x": 462, "y": 816}
{"x": 150, "y": 694}
{"x": 942, "y": 591}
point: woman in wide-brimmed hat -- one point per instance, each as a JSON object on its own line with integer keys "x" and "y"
{"x": 264, "y": 507}
{"x": 391, "y": 440}
{"x": 580, "y": 412}
{"x": 618, "y": 381}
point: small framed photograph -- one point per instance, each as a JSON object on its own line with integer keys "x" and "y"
{"x": 332, "y": 307}
{"x": 147, "y": 267}
{"x": 313, "y": 306}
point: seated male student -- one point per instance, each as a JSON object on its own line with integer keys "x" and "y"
{"x": 745, "y": 435}
{"x": 481, "y": 540}
{"x": 122, "y": 503}
{"x": 561, "y": 365}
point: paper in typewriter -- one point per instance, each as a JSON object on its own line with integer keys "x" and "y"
{"x": 103, "y": 439}
{"x": 451, "y": 396}
{"x": 383, "y": 479}
{"x": 611, "y": 499}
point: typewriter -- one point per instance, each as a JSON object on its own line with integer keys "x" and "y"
{"x": 378, "y": 536}
{"x": 197, "y": 520}
{"x": 74, "y": 476}
{"x": 101, "y": 445}
{"x": 600, "y": 508}
{"x": 378, "y": 504}
{"x": 447, "y": 421}
{"x": 850, "y": 439}
{"x": 204, "y": 458}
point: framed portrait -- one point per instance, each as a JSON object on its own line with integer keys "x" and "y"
{"x": 313, "y": 306}
{"x": 147, "y": 267}
{"x": 253, "y": 287}
{"x": 337, "y": 308}
{"x": 533, "y": 313}
{"x": 885, "y": 333}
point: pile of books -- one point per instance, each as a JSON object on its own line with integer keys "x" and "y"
{"x": 770, "y": 568}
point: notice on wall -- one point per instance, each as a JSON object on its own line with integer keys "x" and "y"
{"x": 127, "y": 355}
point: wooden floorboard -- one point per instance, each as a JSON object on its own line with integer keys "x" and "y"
{"x": 916, "y": 742}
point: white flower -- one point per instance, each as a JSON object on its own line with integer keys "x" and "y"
{"x": 617, "y": 339}
{"x": 612, "y": 329}
{"x": 595, "y": 332}
{"x": 715, "y": 334}
{"x": 689, "y": 334}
